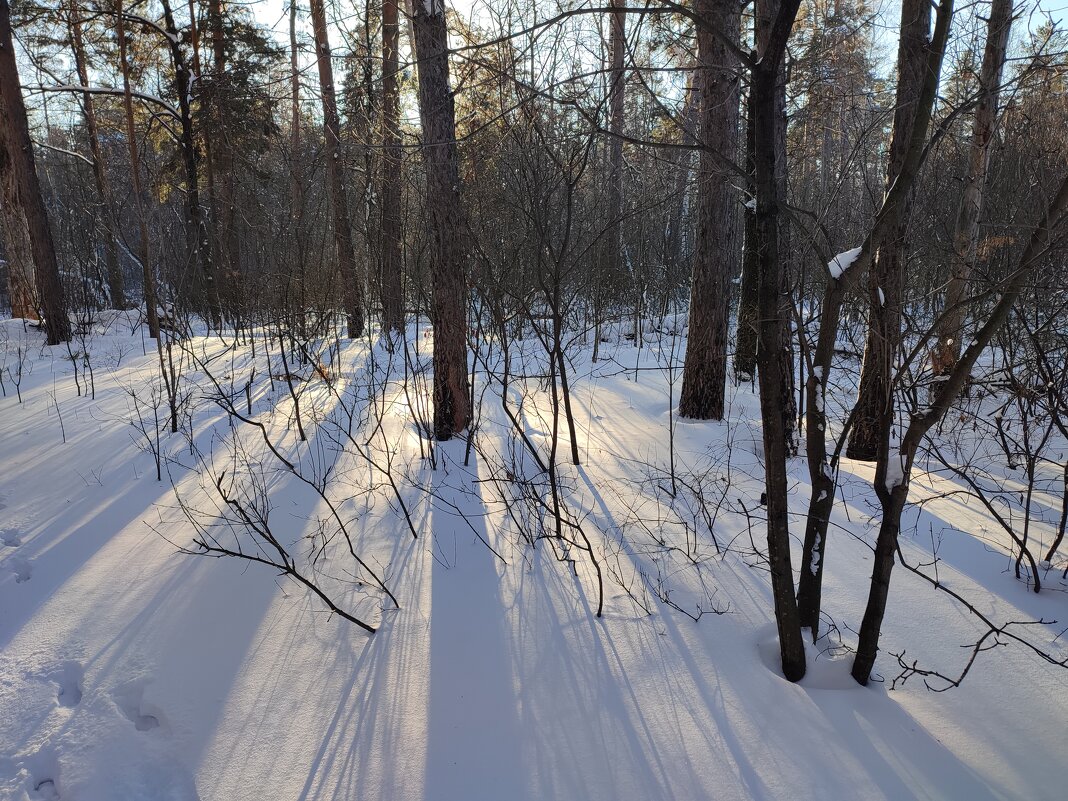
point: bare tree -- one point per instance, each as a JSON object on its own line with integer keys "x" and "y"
{"x": 894, "y": 466}
{"x": 772, "y": 311}
{"x": 886, "y": 278}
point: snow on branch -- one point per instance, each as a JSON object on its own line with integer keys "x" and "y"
{"x": 842, "y": 262}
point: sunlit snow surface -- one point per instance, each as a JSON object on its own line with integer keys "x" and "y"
{"x": 129, "y": 671}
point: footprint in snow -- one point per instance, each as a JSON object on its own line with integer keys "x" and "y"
{"x": 42, "y": 771}
{"x": 10, "y": 537}
{"x": 69, "y": 678}
{"x": 21, "y": 567}
{"x": 131, "y": 700}
{"x": 45, "y": 790}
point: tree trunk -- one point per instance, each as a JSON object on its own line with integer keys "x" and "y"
{"x": 748, "y": 330}
{"x": 346, "y": 254}
{"x": 893, "y": 498}
{"x": 616, "y": 107}
{"x": 17, "y": 250}
{"x": 144, "y": 246}
{"x": 391, "y": 258}
{"x": 704, "y": 376}
{"x": 764, "y": 85}
{"x": 222, "y": 158}
{"x": 452, "y": 402}
{"x": 888, "y": 219}
{"x": 676, "y": 240}
{"x": 197, "y": 225}
{"x": 966, "y": 237}
{"x": 103, "y": 189}
{"x": 886, "y": 279}
{"x": 17, "y": 166}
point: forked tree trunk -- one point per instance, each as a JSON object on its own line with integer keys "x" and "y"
{"x": 966, "y": 237}
{"x": 893, "y": 493}
{"x": 105, "y": 202}
{"x": 888, "y": 219}
{"x": 886, "y": 278}
{"x": 704, "y": 376}
{"x": 144, "y": 245}
{"x": 352, "y": 286}
{"x": 452, "y": 401}
{"x": 17, "y": 167}
{"x": 391, "y": 261}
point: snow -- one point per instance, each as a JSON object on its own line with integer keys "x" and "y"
{"x": 895, "y": 470}
{"x": 842, "y": 262}
{"x": 130, "y": 671}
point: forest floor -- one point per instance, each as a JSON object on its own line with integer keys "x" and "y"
{"x": 132, "y": 670}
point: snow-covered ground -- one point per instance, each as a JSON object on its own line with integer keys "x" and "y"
{"x": 129, "y": 670}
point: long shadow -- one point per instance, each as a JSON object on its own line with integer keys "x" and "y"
{"x": 473, "y": 735}
{"x": 373, "y": 744}
{"x": 63, "y": 546}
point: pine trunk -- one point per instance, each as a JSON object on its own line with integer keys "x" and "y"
{"x": 17, "y": 167}
{"x": 452, "y": 402}
{"x": 704, "y": 377}
{"x": 391, "y": 254}
{"x": 352, "y": 287}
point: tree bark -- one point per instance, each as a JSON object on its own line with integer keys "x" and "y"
{"x": 764, "y": 87}
{"x": 886, "y": 278}
{"x": 452, "y": 403}
{"x": 390, "y": 278}
{"x": 346, "y": 255}
{"x": 17, "y": 250}
{"x": 704, "y": 376}
{"x": 616, "y": 108}
{"x": 17, "y": 166}
{"x": 748, "y": 330}
{"x": 105, "y": 201}
{"x": 966, "y": 237}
